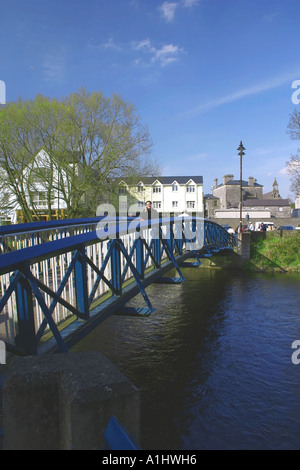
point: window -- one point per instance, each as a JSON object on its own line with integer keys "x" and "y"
{"x": 190, "y": 204}
{"x": 140, "y": 188}
{"x": 156, "y": 205}
{"x": 140, "y": 204}
{"x": 190, "y": 189}
{"x": 157, "y": 189}
{"x": 123, "y": 205}
{"x": 42, "y": 175}
{"x": 174, "y": 187}
{"x": 280, "y": 209}
{"x": 174, "y": 204}
{"x": 40, "y": 197}
{"x": 122, "y": 190}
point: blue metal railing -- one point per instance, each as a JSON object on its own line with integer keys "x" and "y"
{"x": 116, "y": 437}
{"x": 43, "y": 285}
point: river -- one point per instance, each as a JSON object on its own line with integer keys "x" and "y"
{"x": 213, "y": 362}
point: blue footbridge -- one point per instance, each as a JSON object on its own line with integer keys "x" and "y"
{"x": 61, "y": 279}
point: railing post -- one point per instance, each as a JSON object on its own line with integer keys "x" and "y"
{"x": 25, "y": 338}
{"x": 140, "y": 267}
{"x": 170, "y": 239}
{"x": 115, "y": 262}
{"x": 81, "y": 283}
{"x": 156, "y": 248}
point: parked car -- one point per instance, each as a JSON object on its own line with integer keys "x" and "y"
{"x": 297, "y": 228}
{"x": 244, "y": 228}
{"x": 286, "y": 227}
{"x": 270, "y": 226}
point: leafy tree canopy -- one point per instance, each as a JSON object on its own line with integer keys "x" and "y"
{"x": 90, "y": 139}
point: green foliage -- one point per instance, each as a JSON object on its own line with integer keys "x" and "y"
{"x": 275, "y": 253}
{"x": 90, "y": 139}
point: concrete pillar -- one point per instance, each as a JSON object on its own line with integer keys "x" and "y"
{"x": 244, "y": 246}
{"x": 64, "y": 402}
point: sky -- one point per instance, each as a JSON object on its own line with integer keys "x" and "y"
{"x": 203, "y": 75}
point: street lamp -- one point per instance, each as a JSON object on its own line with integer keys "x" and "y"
{"x": 241, "y": 149}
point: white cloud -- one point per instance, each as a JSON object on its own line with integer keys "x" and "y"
{"x": 270, "y": 17}
{"x": 243, "y": 93}
{"x": 54, "y": 68}
{"x": 164, "y": 55}
{"x": 109, "y": 44}
{"x": 144, "y": 45}
{"x": 189, "y": 3}
{"x": 167, "y": 10}
{"x": 167, "y": 54}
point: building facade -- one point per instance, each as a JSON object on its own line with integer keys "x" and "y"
{"x": 44, "y": 199}
{"x": 279, "y": 208}
{"x": 228, "y": 192}
{"x": 168, "y": 194}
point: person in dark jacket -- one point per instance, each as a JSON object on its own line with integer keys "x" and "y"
{"x": 149, "y": 213}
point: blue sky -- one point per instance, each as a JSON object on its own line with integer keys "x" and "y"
{"x": 203, "y": 74}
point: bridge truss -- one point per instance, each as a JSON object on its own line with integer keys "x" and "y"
{"x": 59, "y": 280}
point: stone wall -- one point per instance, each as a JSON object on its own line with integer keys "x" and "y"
{"x": 65, "y": 401}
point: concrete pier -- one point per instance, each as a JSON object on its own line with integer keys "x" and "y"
{"x": 244, "y": 239}
{"x": 64, "y": 402}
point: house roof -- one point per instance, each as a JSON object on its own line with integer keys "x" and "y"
{"x": 166, "y": 179}
{"x": 237, "y": 183}
{"x": 266, "y": 202}
{"x": 210, "y": 196}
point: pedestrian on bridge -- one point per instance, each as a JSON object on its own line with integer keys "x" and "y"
{"x": 149, "y": 213}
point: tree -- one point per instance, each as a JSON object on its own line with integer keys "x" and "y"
{"x": 89, "y": 139}
{"x": 293, "y": 164}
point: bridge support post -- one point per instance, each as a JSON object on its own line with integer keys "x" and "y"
{"x": 244, "y": 246}
{"x": 65, "y": 401}
{"x": 140, "y": 257}
{"x": 116, "y": 267}
{"x": 25, "y": 338}
{"x": 81, "y": 284}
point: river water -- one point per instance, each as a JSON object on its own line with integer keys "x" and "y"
{"x": 213, "y": 362}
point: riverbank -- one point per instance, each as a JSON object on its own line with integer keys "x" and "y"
{"x": 270, "y": 252}
{"x": 274, "y": 252}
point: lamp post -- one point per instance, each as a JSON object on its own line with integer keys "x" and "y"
{"x": 241, "y": 149}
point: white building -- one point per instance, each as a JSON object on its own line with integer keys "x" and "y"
{"x": 39, "y": 182}
{"x": 168, "y": 194}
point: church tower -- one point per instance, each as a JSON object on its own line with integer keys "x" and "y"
{"x": 275, "y": 192}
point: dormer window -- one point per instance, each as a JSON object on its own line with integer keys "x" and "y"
{"x": 174, "y": 187}
{"x": 157, "y": 189}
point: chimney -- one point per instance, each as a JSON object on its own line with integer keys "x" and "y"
{"x": 227, "y": 178}
{"x": 215, "y": 183}
{"x": 250, "y": 181}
